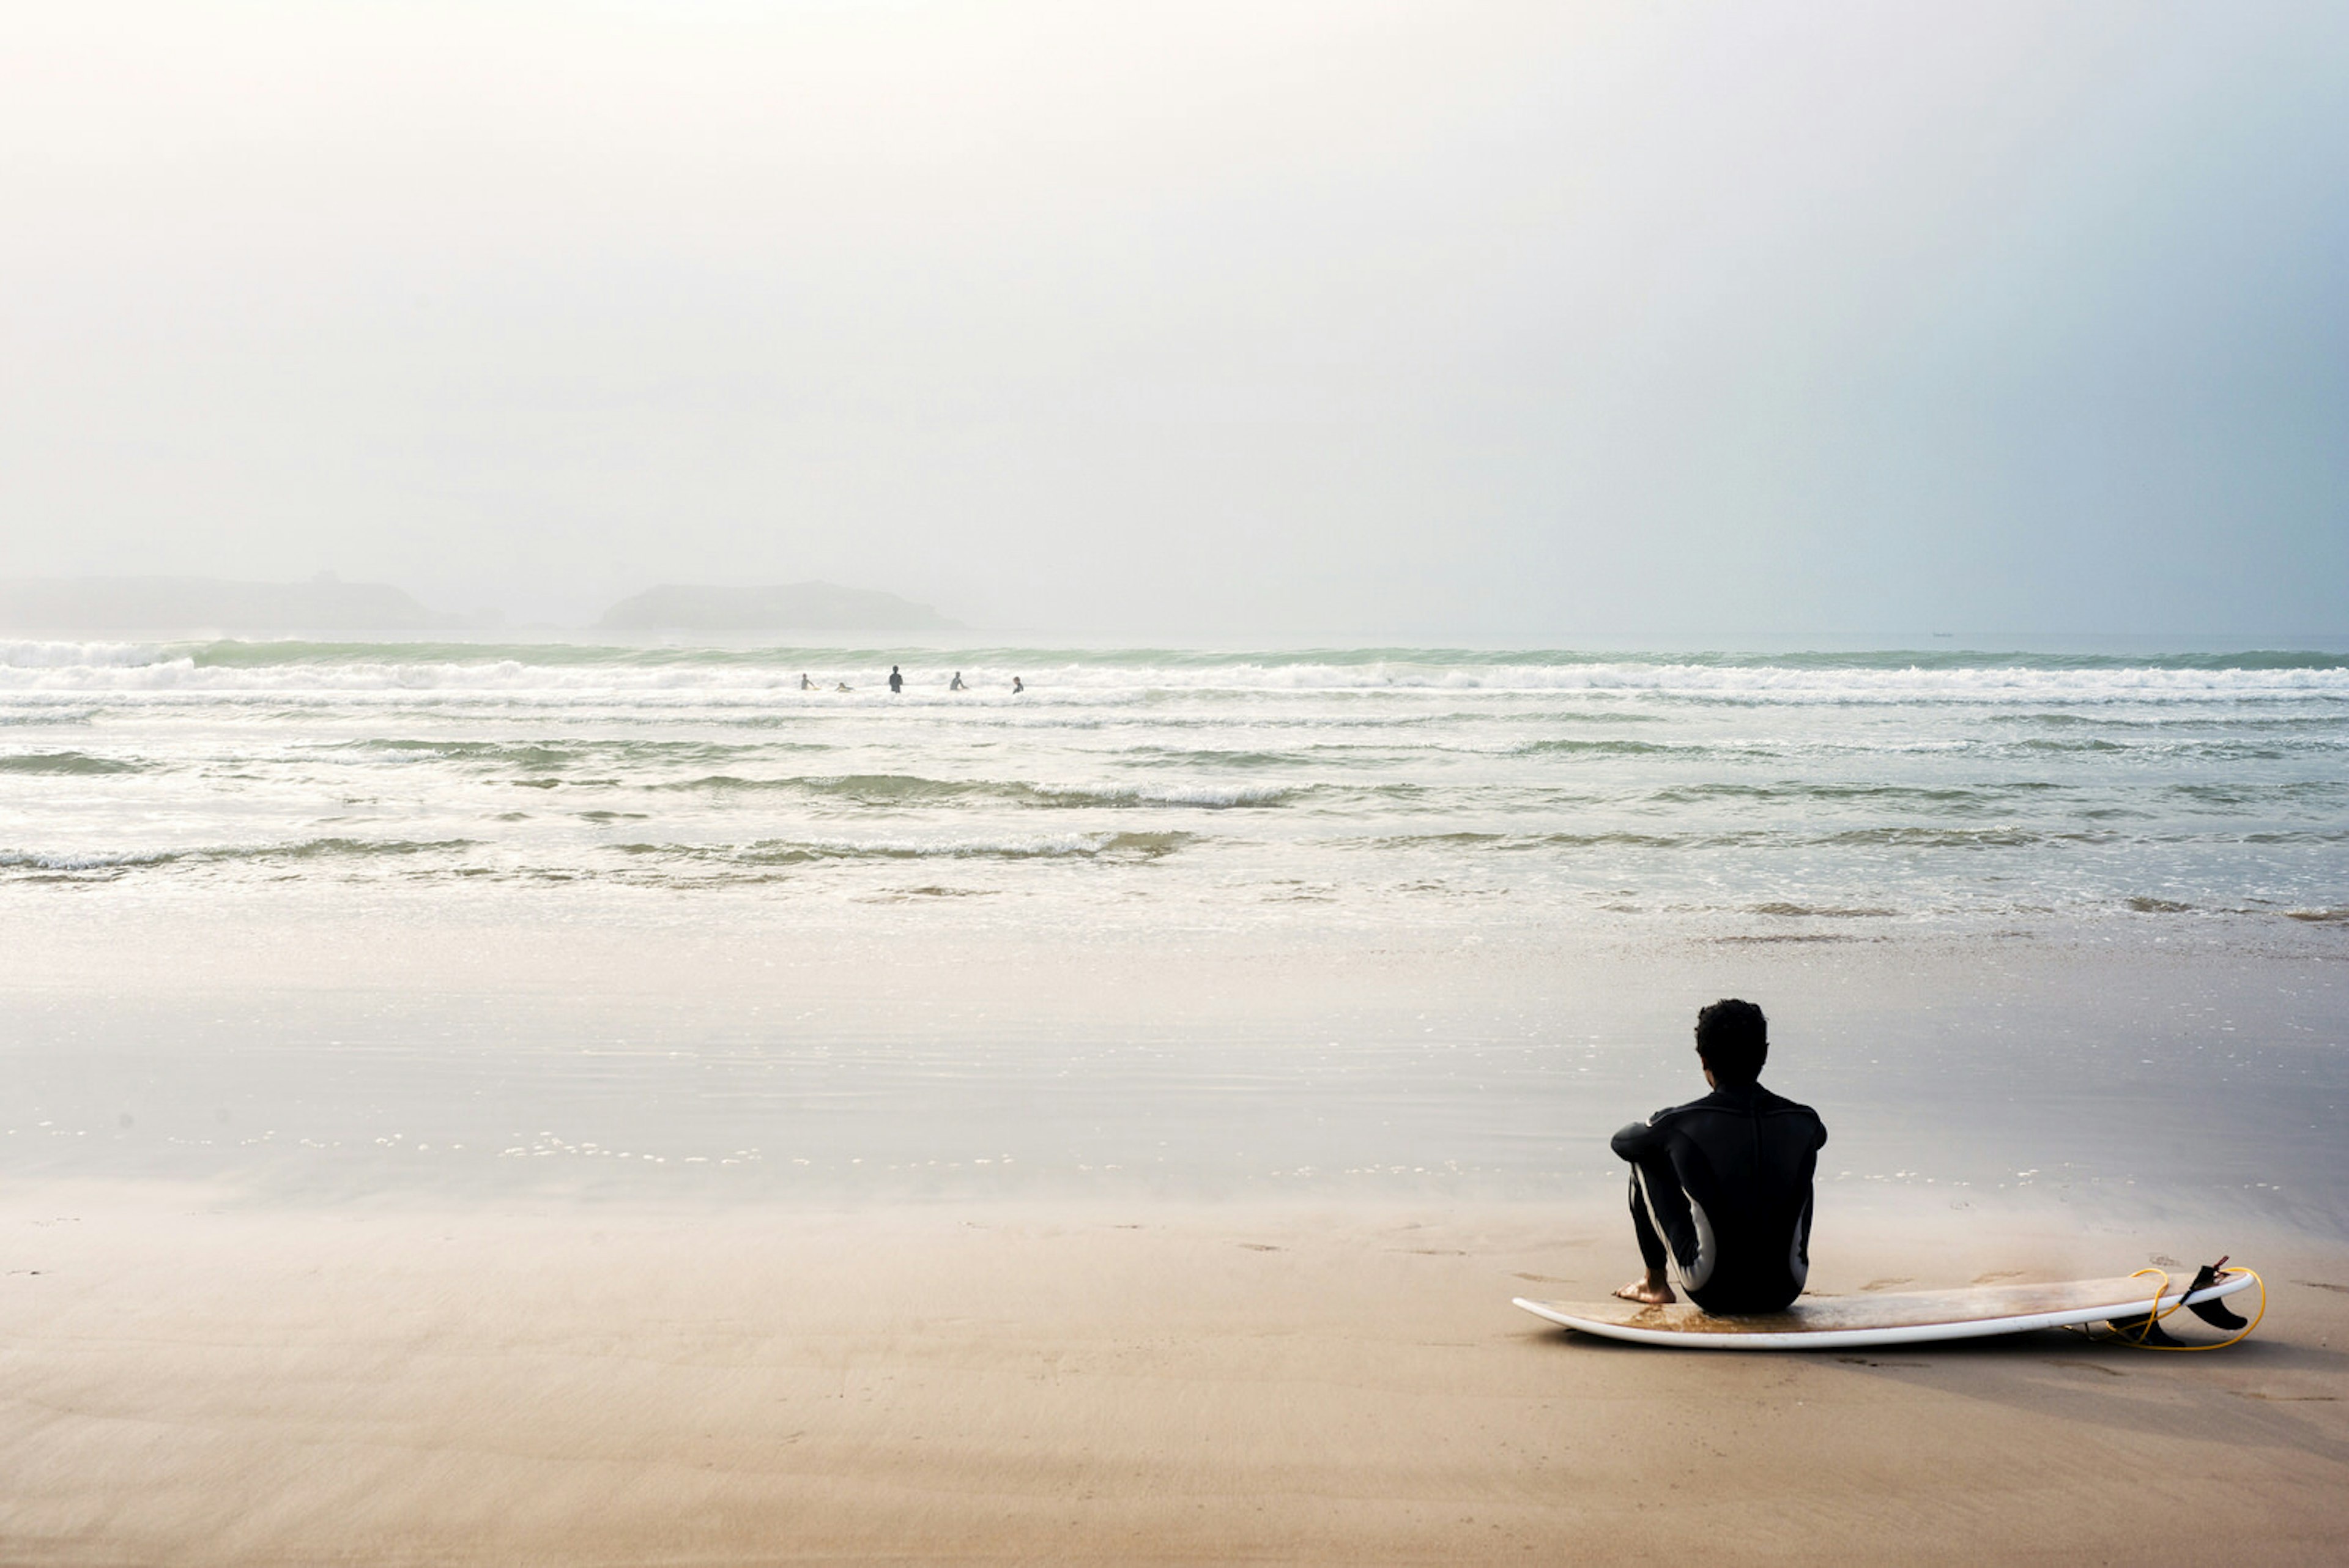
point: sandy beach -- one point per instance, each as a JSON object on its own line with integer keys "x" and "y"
{"x": 634, "y": 1186}
{"x": 383, "y": 1385}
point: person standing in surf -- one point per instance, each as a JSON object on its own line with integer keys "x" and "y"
{"x": 1720, "y": 1187}
{"x": 897, "y": 681}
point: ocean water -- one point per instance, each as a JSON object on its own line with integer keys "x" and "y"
{"x": 344, "y": 920}
{"x": 1348, "y": 788}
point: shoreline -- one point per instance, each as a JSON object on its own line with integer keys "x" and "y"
{"x": 333, "y": 1059}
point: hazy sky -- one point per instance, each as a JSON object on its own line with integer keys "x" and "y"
{"x": 1503, "y": 322}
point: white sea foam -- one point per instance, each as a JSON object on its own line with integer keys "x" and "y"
{"x": 84, "y": 860}
{"x": 1213, "y": 797}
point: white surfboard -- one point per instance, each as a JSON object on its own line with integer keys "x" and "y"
{"x": 1909, "y": 1317}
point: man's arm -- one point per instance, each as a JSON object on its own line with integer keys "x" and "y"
{"x": 1637, "y": 1141}
{"x": 1643, "y": 1145}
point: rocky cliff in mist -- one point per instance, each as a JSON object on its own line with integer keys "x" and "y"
{"x": 788, "y": 607}
{"x": 196, "y": 605}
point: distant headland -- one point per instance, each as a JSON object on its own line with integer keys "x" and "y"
{"x": 163, "y": 604}
{"x": 793, "y": 606}
{"x": 185, "y": 607}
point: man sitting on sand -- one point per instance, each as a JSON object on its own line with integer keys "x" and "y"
{"x": 1726, "y": 1181}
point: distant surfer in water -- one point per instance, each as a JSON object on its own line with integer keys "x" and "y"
{"x": 805, "y": 684}
{"x": 897, "y": 681}
{"x": 1720, "y": 1187}
{"x": 1015, "y": 687}
{"x": 956, "y": 684}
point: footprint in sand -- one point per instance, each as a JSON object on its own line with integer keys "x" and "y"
{"x": 1997, "y": 1274}
{"x": 1259, "y": 1246}
{"x": 2321, "y": 1285}
{"x": 2091, "y": 1367}
{"x": 1888, "y": 1284}
{"x": 1542, "y": 1279}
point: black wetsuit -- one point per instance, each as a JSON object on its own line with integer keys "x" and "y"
{"x": 1726, "y": 1181}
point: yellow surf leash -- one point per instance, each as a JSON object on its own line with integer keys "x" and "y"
{"x": 2138, "y": 1334}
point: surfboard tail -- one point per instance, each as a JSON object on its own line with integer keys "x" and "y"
{"x": 2213, "y": 1312}
{"x": 2148, "y": 1331}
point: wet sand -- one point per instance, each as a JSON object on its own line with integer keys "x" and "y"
{"x": 188, "y": 1379}
{"x": 323, "y": 1055}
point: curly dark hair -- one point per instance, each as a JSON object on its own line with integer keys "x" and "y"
{"x": 1734, "y": 1040}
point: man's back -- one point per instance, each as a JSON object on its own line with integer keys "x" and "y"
{"x": 1742, "y": 1159}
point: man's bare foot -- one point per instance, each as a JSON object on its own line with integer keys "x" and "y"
{"x": 1648, "y": 1292}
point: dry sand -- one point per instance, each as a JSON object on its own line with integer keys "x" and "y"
{"x": 188, "y": 1382}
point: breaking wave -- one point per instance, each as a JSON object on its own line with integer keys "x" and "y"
{"x": 353, "y": 849}
{"x": 774, "y": 675}
{"x": 1050, "y": 846}
{"x": 72, "y": 763}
